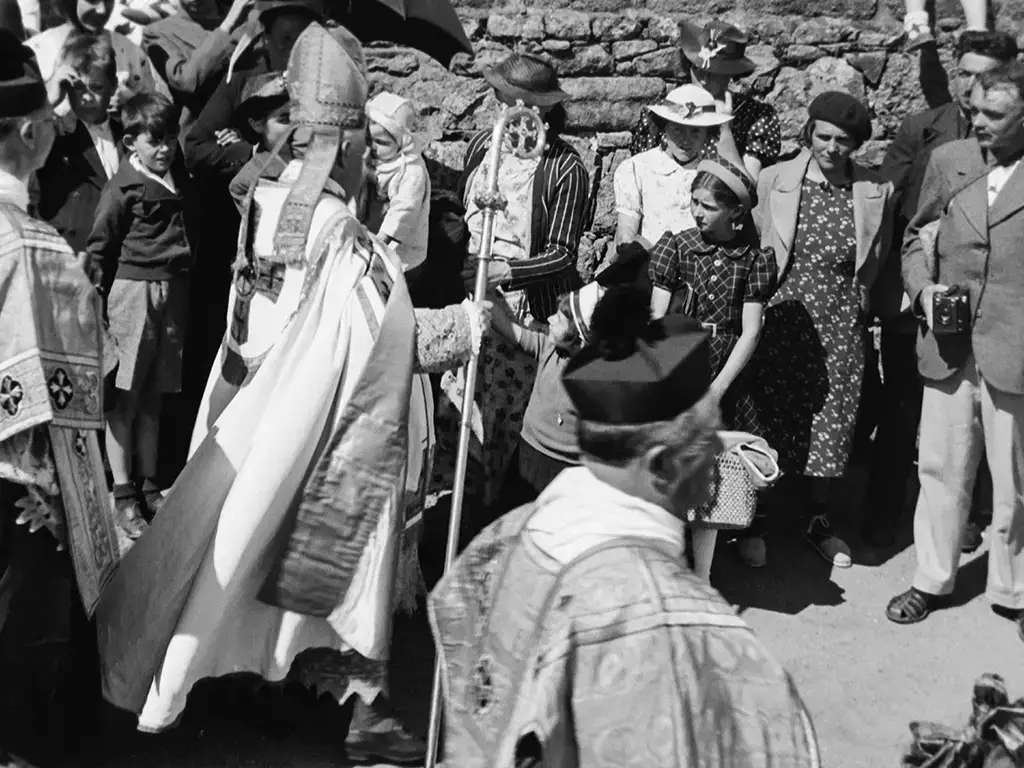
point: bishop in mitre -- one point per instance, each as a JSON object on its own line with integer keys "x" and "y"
{"x": 291, "y": 528}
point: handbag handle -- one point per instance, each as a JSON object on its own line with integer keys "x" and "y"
{"x": 760, "y": 478}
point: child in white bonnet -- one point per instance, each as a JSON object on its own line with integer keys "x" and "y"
{"x": 402, "y": 178}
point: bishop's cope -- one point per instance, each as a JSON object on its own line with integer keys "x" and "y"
{"x": 289, "y": 539}
{"x": 577, "y": 608}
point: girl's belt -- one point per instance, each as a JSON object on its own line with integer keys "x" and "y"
{"x": 721, "y": 329}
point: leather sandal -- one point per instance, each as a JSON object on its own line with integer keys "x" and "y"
{"x": 910, "y": 607}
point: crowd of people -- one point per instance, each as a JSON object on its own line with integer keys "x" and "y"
{"x": 237, "y": 319}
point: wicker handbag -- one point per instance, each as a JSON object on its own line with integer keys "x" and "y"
{"x": 746, "y": 466}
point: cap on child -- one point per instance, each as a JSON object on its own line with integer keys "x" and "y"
{"x": 395, "y": 114}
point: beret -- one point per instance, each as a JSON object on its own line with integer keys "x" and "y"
{"x": 843, "y": 111}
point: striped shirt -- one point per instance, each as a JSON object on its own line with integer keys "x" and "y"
{"x": 560, "y": 201}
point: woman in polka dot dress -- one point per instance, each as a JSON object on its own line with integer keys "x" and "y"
{"x": 725, "y": 279}
{"x": 717, "y": 56}
{"x": 828, "y": 221}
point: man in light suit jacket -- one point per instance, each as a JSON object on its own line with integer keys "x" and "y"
{"x": 900, "y": 408}
{"x": 974, "y": 380}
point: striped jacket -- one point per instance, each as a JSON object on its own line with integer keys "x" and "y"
{"x": 560, "y": 201}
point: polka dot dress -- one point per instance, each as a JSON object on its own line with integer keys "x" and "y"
{"x": 755, "y": 127}
{"x": 810, "y": 361}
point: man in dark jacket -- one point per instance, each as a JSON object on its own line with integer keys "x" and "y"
{"x": 191, "y": 50}
{"x": 904, "y": 166}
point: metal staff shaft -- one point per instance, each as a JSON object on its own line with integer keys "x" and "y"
{"x": 491, "y": 202}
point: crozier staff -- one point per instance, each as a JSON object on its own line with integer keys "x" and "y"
{"x": 536, "y": 239}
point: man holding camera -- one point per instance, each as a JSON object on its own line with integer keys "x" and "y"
{"x": 969, "y": 291}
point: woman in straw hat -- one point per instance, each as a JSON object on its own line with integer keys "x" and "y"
{"x": 535, "y": 244}
{"x": 716, "y": 56}
{"x": 652, "y": 189}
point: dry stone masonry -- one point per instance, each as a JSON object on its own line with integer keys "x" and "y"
{"x": 615, "y": 57}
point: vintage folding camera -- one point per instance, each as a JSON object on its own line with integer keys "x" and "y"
{"x": 951, "y": 312}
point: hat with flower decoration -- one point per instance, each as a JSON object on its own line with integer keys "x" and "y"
{"x": 690, "y": 105}
{"x": 717, "y": 49}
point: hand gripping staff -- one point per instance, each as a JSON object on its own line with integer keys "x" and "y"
{"x": 520, "y": 130}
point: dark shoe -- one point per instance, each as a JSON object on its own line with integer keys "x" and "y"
{"x": 972, "y": 538}
{"x": 397, "y": 747}
{"x": 829, "y": 546}
{"x": 910, "y": 607}
{"x": 1013, "y": 614}
{"x": 154, "y": 502}
{"x": 129, "y": 514}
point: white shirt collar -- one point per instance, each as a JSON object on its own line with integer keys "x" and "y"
{"x": 13, "y": 190}
{"x": 997, "y": 178}
{"x": 166, "y": 179}
{"x": 577, "y": 512}
{"x": 103, "y": 141}
{"x": 666, "y": 165}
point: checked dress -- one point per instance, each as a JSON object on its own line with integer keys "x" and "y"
{"x": 723, "y": 278}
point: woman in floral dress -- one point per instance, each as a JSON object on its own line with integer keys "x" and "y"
{"x": 828, "y": 220}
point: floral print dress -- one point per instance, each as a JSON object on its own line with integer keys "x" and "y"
{"x": 812, "y": 354}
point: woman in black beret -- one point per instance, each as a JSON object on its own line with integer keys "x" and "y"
{"x": 828, "y": 220}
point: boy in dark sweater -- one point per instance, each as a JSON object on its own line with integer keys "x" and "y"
{"x": 139, "y": 248}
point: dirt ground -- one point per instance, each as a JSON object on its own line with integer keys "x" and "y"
{"x": 863, "y": 678}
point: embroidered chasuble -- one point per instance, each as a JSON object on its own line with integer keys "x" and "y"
{"x": 617, "y": 657}
{"x": 51, "y": 408}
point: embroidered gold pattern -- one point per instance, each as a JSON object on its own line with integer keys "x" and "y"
{"x": 11, "y": 395}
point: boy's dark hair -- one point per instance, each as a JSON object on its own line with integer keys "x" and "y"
{"x": 262, "y": 107}
{"x": 150, "y": 113}
{"x": 1009, "y": 75}
{"x": 995, "y": 45}
{"x": 719, "y": 190}
{"x": 564, "y": 306}
{"x": 90, "y": 54}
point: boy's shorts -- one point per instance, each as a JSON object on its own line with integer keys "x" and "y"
{"x": 148, "y": 320}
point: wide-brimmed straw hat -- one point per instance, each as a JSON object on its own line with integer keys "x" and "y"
{"x": 526, "y": 78}
{"x": 690, "y": 105}
{"x": 717, "y": 49}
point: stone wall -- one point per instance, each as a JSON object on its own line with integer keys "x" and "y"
{"x": 612, "y": 63}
